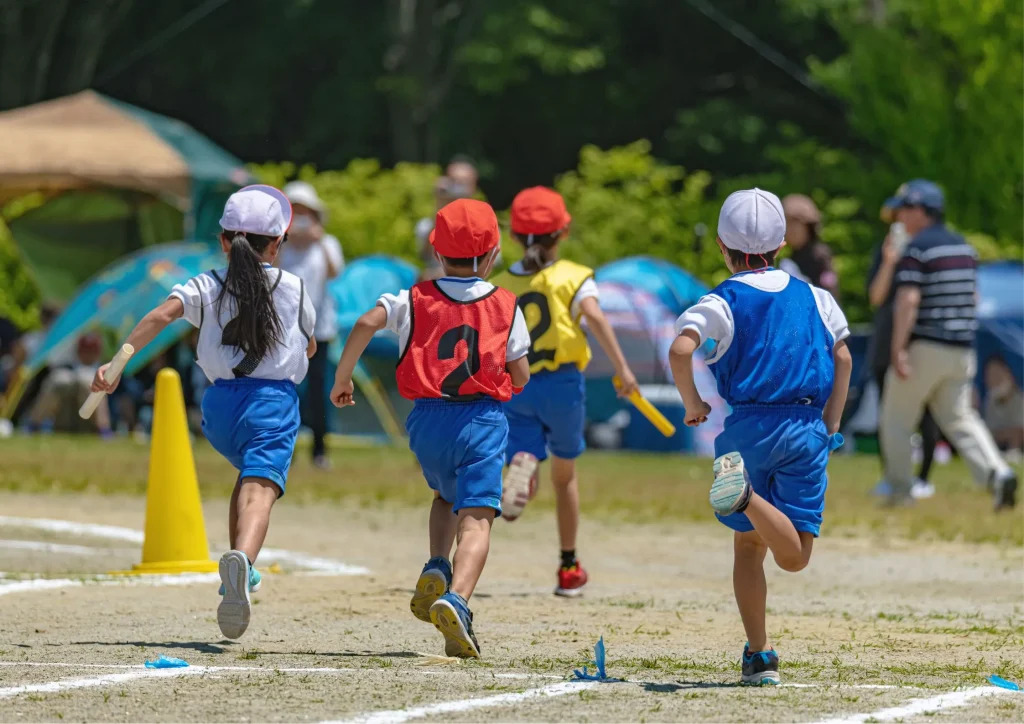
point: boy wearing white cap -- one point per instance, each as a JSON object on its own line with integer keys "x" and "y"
{"x": 255, "y": 339}
{"x": 781, "y": 362}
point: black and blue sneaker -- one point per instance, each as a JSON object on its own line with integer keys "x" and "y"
{"x": 452, "y": 617}
{"x": 760, "y": 667}
{"x": 434, "y": 582}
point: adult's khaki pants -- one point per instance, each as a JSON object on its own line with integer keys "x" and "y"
{"x": 941, "y": 378}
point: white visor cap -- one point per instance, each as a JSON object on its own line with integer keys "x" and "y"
{"x": 302, "y": 193}
{"x": 752, "y": 221}
{"x": 257, "y": 209}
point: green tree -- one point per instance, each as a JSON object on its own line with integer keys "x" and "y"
{"x": 935, "y": 89}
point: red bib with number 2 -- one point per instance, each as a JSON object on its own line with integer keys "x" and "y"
{"x": 456, "y": 350}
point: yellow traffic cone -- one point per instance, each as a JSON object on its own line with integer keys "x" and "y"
{"x": 175, "y": 532}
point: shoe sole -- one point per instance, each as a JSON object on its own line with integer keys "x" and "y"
{"x": 457, "y": 641}
{"x": 235, "y": 608}
{"x": 430, "y": 587}
{"x": 516, "y": 486}
{"x": 765, "y": 678}
{"x": 729, "y": 486}
{"x": 252, "y": 589}
{"x": 570, "y": 592}
{"x": 1006, "y": 494}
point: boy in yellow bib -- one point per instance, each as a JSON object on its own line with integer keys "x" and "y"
{"x": 549, "y": 416}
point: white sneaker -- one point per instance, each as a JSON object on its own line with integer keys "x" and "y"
{"x": 520, "y": 485}
{"x": 921, "y": 490}
{"x": 236, "y": 605}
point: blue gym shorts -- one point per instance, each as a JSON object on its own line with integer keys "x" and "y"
{"x": 253, "y": 423}
{"x": 461, "y": 448}
{"x": 785, "y": 451}
{"x": 549, "y": 415}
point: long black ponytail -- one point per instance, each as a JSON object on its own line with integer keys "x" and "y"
{"x": 256, "y": 328}
{"x": 540, "y": 249}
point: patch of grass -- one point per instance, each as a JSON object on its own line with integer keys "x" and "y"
{"x": 626, "y": 487}
{"x": 250, "y": 655}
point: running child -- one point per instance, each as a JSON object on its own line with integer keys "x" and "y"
{"x": 549, "y": 416}
{"x": 782, "y": 364}
{"x": 463, "y": 348}
{"x": 255, "y": 337}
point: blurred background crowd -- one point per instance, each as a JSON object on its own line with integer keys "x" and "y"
{"x": 124, "y": 125}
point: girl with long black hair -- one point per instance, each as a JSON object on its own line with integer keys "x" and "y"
{"x": 255, "y": 338}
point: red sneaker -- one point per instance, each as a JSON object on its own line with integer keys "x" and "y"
{"x": 571, "y": 581}
{"x": 520, "y": 485}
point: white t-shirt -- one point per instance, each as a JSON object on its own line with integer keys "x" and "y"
{"x": 711, "y": 317}
{"x": 399, "y": 310}
{"x": 587, "y": 290}
{"x": 310, "y": 265}
{"x": 287, "y": 361}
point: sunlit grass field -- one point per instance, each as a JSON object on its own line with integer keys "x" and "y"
{"x": 643, "y": 488}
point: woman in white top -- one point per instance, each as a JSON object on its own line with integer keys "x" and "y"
{"x": 255, "y": 338}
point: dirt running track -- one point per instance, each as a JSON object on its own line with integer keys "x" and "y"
{"x": 869, "y": 628}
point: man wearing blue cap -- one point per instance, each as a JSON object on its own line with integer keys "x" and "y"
{"x": 933, "y": 360}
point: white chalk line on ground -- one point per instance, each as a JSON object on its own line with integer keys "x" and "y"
{"x": 271, "y": 669}
{"x": 913, "y": 707}
{"x": 462, "y": 705}
{"x": 42, "y": 584}
{"x": 113, "y": 532}
{"x": 34, "y": 545}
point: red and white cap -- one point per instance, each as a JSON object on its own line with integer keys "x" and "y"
{"x": 538, "y": 210}
{"x": 464, "y": 229}
{"x": 752, "y": 221}
{"x": 257, "y": 209}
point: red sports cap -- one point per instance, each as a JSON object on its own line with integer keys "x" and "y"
{"x": 538, "y": 210}
{"x": 464, "y": 229}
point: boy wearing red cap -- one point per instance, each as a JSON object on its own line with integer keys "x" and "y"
{"x": 549, "y": 416}
{"x": 464, "y": 346}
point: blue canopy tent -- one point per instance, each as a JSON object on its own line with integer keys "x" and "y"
{"x": 116, "y": 299}
{"x": 674, "y": 287}
{"x": 355, "y": 291}
{"x": 1001, "y": 317}
{"x": 645, "y": 327}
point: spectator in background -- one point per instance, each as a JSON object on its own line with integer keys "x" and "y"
{"x": 66, "y": 388}
{"x": 315, "y": 257}
{"x": 881, "y": 292}
{"x": 810, "y": 259}
{"x": 933, "y": 360}
{"x": 1003, "y": 411}
{"x": 459, "y": 182}
{"x": 9, "y": 334}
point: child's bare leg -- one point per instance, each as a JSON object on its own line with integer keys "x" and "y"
{"x": 750, "y": 586}
{"x": 567, "y": 501}
{"x": 791, "y": 548}
{"x": 474, "y": 525}
{"x": 443, "y": 526}
{"x": 233, "y": 515}
{"x": 255, "y": 498}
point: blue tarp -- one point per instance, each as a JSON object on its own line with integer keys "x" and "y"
{"x": 357, "y": 289}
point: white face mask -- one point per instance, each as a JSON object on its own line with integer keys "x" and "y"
{"x": 302, "y": 223}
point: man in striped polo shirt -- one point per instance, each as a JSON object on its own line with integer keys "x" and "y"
{"x": 933, "y": 359}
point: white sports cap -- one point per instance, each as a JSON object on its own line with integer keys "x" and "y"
{"x": 257, "y": 209}
{"x": 302, "y": 193}
{"x": 752, "y": 221}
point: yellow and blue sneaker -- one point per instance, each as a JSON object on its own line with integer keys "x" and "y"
{"x": 434, "y": 582}
{"x": 452, "y": 617}
{"x": 731, "y": 490}
{"x": 760, "y": 667}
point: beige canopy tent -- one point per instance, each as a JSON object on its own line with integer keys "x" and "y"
{"x": 115, "y": 178}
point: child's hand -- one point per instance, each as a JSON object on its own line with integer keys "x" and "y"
{"x": 101, "y": 385}
{"x": 627, "y": 383}
{"x": 341, "y": 394}
{"x": 697, "y": 414}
